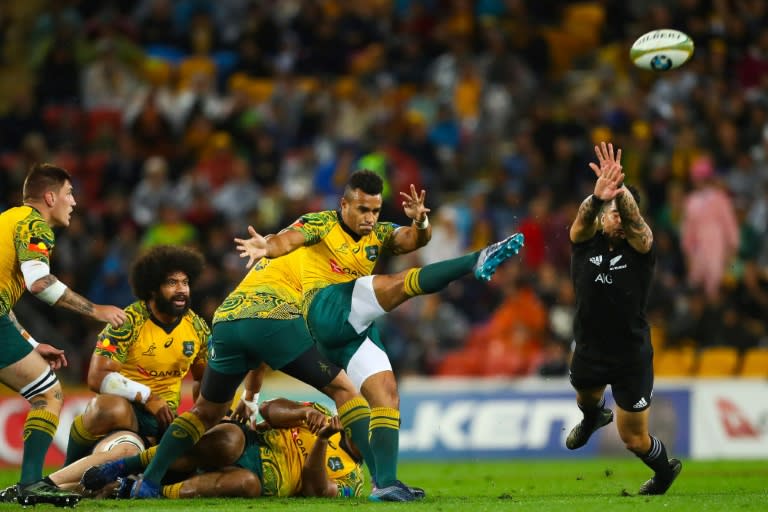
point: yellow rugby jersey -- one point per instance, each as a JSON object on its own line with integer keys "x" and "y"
{"x": 156, "y": 356}
{"x": 284, "y": 452}
{"x": 334, "y": 254}
{"x": 272, "y": 289}
{"x": 24, "y": 236}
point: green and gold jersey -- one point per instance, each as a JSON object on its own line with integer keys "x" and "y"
{"x": 284, "y": 452}
{"x": 272, "y": 289}
{"x": 334, "y": 254}
{"x": 155, "y": 355}
{"x": 24, "y": 236}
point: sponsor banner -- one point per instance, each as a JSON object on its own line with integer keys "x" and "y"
{"x": 441, "y": 418}
{"x": 730, "y": 419}
{"x": 530, "y": 418}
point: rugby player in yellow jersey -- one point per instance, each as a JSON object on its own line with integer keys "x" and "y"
{"x": 299, "y": 450}
{"x": 138, "y": 368}
{"x": 340, "y": 310}
{"x": 27, "y": 242}
{"x": 261, "y": 322}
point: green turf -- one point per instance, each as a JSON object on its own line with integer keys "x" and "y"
{"x": 573, "y": 486}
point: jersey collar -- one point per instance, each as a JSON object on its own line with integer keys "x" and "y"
{"x": 346, "y": 228}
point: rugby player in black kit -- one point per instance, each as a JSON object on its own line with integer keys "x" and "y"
{"x": 612, "y": 262}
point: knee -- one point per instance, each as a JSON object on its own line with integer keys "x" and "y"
{"x": 106, "y": 413}
{"x": 381, "y": 391}
{"x": 51, "y": 399}
{"x": 209, "y": 413}
{"x": 242, "y": 484}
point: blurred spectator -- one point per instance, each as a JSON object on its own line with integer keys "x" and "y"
{"x": 152, "y": 191}
{"x": 709, "y": 232}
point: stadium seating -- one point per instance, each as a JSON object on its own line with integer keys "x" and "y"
{"x": 675, "y": 362}
{"x": 755, "y": 363}
{"x": 718, "y": 362}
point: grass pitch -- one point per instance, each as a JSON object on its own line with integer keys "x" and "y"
{"x": 574, "y": 486}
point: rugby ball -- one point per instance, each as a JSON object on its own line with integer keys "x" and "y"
{"x": 661, "y": 50}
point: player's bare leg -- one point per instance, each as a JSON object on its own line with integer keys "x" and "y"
{"x": 230, "y": 482}
{"x": 113, "y": 447}
{"x": 104, "y": 414}
{"x": 633, "y": 431}
{"x": 33, "y": 379}
{"x": 592, "y": 405}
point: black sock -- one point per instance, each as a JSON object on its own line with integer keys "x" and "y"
{"x": 590, "y": 413}
{"x": 657, "y": 460}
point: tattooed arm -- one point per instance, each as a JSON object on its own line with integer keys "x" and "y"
{"x": 638, "y": 234}
{"x": 585, "y": 225}
{"x": 73, "y": 301}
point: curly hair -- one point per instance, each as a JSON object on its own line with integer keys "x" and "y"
{"x": 365, "y": 180}
{"x": 153, "y": 267}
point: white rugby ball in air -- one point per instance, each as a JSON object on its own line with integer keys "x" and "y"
{"x": 662, "y": 50}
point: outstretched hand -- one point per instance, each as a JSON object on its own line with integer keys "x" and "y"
{"x": 413, "y": 205}
{"x": 253, "y": 248}
{"x": 54, "y": 356}
{"x": 610, "y": 174}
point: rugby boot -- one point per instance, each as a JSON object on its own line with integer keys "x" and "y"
{"x": 96, "y": 477}
{"x": 580, "y": 434}
{"x": 144, "y": 489}
{"x": 398, "y": 491}
{"x": 43, "y": 492}
{"x": 9, "y": 494}
{"x": 495, "y": 254}
{"x": 656, "y": 485}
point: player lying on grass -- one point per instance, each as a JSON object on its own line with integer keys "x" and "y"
{"x": 299, "y": 450}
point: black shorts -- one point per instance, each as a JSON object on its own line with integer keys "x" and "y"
{"x": 631, "y": 381}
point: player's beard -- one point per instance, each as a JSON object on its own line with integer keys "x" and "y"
{"x": 166, "y": 306}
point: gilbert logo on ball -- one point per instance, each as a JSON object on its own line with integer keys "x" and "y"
{"x": 661, "y": 50}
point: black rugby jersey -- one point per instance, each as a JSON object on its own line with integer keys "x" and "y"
{"x": 612, "y": 288}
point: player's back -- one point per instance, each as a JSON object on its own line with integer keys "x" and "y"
{"x": 23, "y": 234}
{"x": 272, "y": 289}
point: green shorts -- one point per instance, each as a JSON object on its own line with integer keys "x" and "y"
{"x": 328, "y": 322}
{"x": 148, "y": 425}
{"x": 241, "y": 345}
{"x": 251, "y": 456}
{"x": 15, "y": 347}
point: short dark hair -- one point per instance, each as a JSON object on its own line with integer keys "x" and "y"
{"x": 153, "y": 267}
{"x": 43, "y": 178}
{"x": 365, "y": 180}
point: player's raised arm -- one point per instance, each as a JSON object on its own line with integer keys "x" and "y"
{"x": 638, "y": 233}
{"x": 419, "y": 233}
{"x": 607, "y": 187}
{"x": 314, "y": 478}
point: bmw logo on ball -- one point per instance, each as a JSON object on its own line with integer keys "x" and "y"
{"x": 661, "y": 63}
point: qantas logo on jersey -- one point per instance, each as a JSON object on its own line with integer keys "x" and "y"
{"x": 338, "y": 269}
{"x": 597, "y": 260}
{"x": 155, "y": 373}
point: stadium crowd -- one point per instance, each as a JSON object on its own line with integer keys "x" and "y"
{"x": 185, "y": 121}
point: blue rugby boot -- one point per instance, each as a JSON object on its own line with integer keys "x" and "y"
{"x": 96, "y": 477}
{"x": 398, "y": 491}
{"x": 495, "y": 254}
{"x": 144, "y": 489}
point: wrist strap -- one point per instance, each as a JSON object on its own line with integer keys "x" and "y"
{"x": 597, "y": 200}
{"x": 424, "y": 224}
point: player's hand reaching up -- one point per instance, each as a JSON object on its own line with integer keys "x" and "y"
{"x": 333, "y": 426}
{"x": 315, "y": 420}
{"x": 253, "y": 248}
{"x": 610, "y": 174}
{"x": 413, "y": 205}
